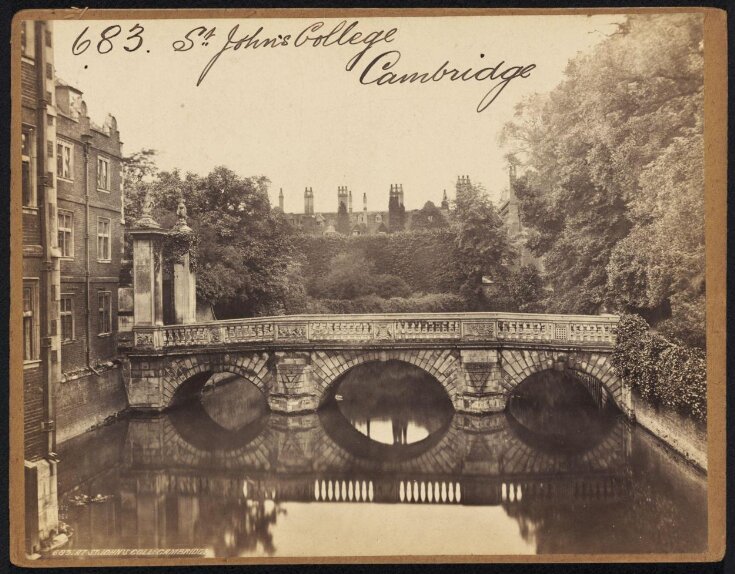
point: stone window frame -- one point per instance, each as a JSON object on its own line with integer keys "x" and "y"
{"x": 104, "y": 313}
{"x": 28, "y": 159}
{"x": 107, "y": 184}
{"x": 62, "y": 145}
{"x": 31, "y": 322}
{"x": 67, "y": 314}
{"x": 63, "y": 231}
{"x": 106, "y": 247}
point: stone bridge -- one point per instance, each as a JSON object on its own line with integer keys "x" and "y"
{"x": 478, "y": 358}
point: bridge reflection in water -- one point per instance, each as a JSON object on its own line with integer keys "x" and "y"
{"x": 226, "y": 475}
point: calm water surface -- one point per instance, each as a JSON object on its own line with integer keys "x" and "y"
{"x": 385, "y": 467}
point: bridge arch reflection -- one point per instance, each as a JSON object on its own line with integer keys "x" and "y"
{"x": 562, "y": 410}
{"x": 389, "y": 410}
{"x": 229, "y": 496}
{"x": 223, "y": 416}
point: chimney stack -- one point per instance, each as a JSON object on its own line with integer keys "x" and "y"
{"x": 309, "y": 201}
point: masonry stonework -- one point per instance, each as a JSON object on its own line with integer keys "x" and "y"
{"x": 477, "y": 381}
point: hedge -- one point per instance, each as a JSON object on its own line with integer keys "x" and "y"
{"x": 428, "y": 303}
{"x": 663, "y": 372}
{"x": 424, "y": 259}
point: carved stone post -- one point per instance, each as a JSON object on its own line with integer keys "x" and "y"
{"x": 147, "y": 273}
{"x": 483, "y": 391}
{"x": 184, "y": 284}
{"x": 293, "y": 389}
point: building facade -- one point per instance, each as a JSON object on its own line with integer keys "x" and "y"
{"x": 70, "y": 173}
{"x": 90, "y": 236}
{"x": 41, "y": 280}
{"x": 353, "y": 221}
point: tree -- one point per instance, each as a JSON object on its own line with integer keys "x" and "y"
{"x": 482, "y": 243}
{"x": 603, "y": 193}
{"x": 351, "y": 275}
{"x": 525, "y": 287}
{"x": 428, "y": 217}
{"x": 246, "y": 261}
{"x": 661, "y": 263}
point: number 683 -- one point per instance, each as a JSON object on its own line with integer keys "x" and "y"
{"x": 133, "y": 41}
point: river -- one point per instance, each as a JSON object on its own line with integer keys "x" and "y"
{"x": 386, "y": 467}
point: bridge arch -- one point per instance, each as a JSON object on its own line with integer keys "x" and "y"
{"x": 444, "y": 365}
{"x": 517, "y": 365}
{"x": 188, "y": 374}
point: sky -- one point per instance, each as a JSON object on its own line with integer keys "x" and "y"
{"x": 297, "y": 116}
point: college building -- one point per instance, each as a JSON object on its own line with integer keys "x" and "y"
{"x": 72, "y": 210}
{"x": 357, "y": 221}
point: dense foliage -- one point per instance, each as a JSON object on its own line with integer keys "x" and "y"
{"x": 483, "y": 247}
{"x": 247, "y": 263}
{"x": 469, "y": 258}
{"x": 424, "y": 260}
{"x": 416, "y": 303}
{"x": 428, "y": 217}
{"x": 663, "y": 372}
{"x": 613, "y": 189}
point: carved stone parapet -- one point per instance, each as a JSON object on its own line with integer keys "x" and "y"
{"x": 292, "y": 331}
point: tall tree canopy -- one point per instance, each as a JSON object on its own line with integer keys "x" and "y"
{"x": 613, "y": 189}
{"x": 482, "y": 243}
{"x": 247, "y": 263}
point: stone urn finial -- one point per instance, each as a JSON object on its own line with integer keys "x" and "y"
{"x": 146, "y": 219}
{"x": 181, "y": 224}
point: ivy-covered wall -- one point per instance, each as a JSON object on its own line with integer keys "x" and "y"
{"x": 663, "y": 372}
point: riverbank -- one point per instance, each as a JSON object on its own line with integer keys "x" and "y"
{"x": 681, "y": 434}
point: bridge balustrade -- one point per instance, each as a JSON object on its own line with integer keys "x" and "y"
{"x": 592, "y": 331}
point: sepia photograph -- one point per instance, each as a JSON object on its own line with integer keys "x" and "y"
{"x": 313, "y": 285}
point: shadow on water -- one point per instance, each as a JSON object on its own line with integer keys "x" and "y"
{"x": 226, "y": 415}
{"x": 386, "y": 411}
{"x": 555, "y": 411}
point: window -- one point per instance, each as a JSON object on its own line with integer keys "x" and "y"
{"x": 103, "y": 239}
{"x": 30, "y": 322}
{"x": 64, "y": 160}
{"x": 27, "y": 39}
{"x": 378, "y": 218}
{"x": 105, "y": 312}
{"x": 23, "y": 37}
{"x": 103, "y": 174}
{"x": 66, "y": 233}
{"x": 27, "y": 169}
{"x": 66, "y": 313}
